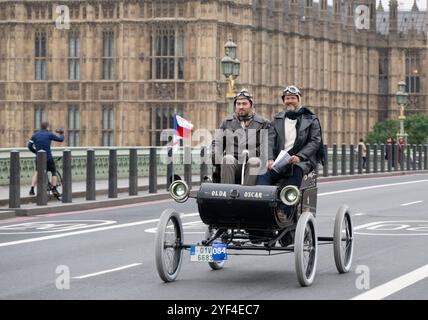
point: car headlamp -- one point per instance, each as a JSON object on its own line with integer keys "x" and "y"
{"x": 290, "y": 195}
{"x": 179, "y": 191}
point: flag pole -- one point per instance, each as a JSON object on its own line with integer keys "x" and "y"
{"x": 173, "y": 142}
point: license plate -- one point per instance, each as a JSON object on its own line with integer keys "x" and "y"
{"x": 216, "y": 252}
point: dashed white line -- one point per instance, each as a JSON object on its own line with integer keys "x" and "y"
{"x": 394, "y": 285}
{"x": 107, "y": 271}
{"x": 410, "y": 203}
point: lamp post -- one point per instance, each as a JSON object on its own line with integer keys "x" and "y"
{"x": 402, "y": 100}
{"x": 230, "y": 67}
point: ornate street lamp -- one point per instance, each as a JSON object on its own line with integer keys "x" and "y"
{"x": 236, "y": 67}
{"x": 230, "y": 67}
{"x": 227, "y": 66}
{"x": 402, "y": 100}
{"x": 230, "y": 48}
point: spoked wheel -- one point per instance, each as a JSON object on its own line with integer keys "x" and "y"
{"x": 306, "y": 249}
{"x": 215, "y": 265}
{"x": 343, "y": 240}
{"x": 168, "y": 241}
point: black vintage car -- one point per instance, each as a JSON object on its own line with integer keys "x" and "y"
{"x": 244, "y": 218}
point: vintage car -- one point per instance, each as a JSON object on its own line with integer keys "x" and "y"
{"x": 244, "y": 218}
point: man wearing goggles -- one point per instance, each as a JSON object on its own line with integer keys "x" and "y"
{"x": 296, "y": 131}
{"x": 238, "y": 132}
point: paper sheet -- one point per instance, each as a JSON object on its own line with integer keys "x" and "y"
{"x": 281, "y": 161}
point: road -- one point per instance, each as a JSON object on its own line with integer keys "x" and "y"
{"x": 109, "y": 253}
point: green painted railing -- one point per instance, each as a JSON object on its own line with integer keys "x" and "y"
{"x": 102, "y": 162}
{"x": 28, "y": 162}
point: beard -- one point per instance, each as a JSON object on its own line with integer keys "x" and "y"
{"x": 291, "y": 107}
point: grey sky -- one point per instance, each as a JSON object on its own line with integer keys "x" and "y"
{"x": 402, "y": 4}
{"x": 406, "y": 4}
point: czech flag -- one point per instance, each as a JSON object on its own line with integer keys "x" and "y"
{"x": 183, "y": 130}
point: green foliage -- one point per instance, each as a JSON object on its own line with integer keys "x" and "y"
{"x": 382, "y": 131}
{"x": 416, "y": 126}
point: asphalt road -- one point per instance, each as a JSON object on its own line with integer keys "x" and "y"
{"x": 109, "y": 253}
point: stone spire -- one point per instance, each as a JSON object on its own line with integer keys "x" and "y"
{"x": 415, "y": 7}
{"x": 393, "y": 16}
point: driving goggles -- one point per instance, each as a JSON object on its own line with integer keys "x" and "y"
{"x": 245, "y": 94}
{"x": 292, "y": 90}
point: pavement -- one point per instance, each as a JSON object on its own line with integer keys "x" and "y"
{"x": 108, "y": 253}
{"x": 79, "y": 202}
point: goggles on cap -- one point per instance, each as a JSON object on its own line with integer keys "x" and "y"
{"x": 291, "y": 89}
{"x": 243, "y": 93}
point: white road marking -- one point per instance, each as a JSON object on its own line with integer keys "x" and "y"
{"x": 107, "y": 271}
{"x": 198, "y": 224}
{"x": 371, "y": 187}
{"x": 394, "y": 285}
{"x": 359, "y": 214}
{"x": 52, "y": 226}
{"x": 365, "y": 225}
{"x": 410, "y": 203}
{"x": 395, "y": 225}
{"x": 62, "y": 235}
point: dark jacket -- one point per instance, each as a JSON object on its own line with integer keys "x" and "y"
{"x": 232, "y": 125}
{"x": 308, "y": 145}
{"x": 42, "y": 141}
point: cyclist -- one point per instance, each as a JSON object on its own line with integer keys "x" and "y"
{"x": 41, "y": 140}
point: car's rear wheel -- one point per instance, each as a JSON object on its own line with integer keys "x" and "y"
{"x": 343, "y": 240}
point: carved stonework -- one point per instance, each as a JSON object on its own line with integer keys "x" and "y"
{"x": 73, "y": 91}
{"x": 27, "y": 91}
{"x": 2, "y": 91}
{"x": 107, "y": 92}
{"x": 73, "y": 86}
{"x": 61, "y": 90}
{"x": 163, "y": 91}
{"x": 141, "y": 91}
{"x": 39, "y": 91}
{"x": 180, "y": 91}
{"x": 83, "y": 92}
{"x": 191, "y": 91}
{"x": 50, "y": 91}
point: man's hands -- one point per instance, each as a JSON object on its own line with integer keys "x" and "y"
{"x": 293, "y": 160}
{"x": 59, "y": 130}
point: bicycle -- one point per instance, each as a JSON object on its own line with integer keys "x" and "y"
{"x": 50, "y": 187}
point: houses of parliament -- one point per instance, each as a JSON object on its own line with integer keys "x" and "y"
{"x": 120, "y": 69}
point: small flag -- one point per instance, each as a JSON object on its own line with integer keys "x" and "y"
{"x": 182, "y": 127}
{"x": 183, "y": 130}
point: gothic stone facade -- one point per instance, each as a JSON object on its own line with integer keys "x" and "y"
{"x": 124, "y": 67}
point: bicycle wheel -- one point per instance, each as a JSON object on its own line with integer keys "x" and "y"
{"x": 59, "y": 185}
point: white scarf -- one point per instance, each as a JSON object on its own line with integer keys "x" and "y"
{"x": 290, "y": 133}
